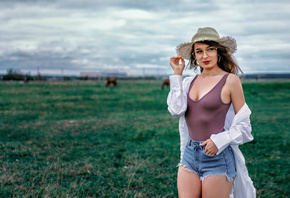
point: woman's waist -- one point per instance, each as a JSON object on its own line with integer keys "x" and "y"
{"x": 203, "y": 133}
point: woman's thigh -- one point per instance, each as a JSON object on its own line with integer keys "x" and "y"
{"x": 188, "y": 183}
{"x": 216, "y": 186}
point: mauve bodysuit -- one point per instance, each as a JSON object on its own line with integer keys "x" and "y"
{"x": 207, "y": 115}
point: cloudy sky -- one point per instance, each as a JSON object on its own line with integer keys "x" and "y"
{"x": 136, "y": 36}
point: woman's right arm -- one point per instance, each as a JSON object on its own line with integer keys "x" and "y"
{"x": 176, "y": 99}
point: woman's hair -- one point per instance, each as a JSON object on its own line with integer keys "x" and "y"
{"x": 226, "y": 61}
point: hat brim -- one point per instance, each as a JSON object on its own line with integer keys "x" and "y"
{"x": 184, "y": 50}
{"x": 230, "y": 43}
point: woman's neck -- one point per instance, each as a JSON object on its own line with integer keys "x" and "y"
{"x": 212, "y": 72}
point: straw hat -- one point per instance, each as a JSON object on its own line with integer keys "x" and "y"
{"x": 209, "y": 34}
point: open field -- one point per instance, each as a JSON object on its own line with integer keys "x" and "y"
{"x": 80, "y": 139}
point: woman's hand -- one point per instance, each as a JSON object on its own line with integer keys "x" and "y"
{"x": 176, "y": 66}
{"x": 210, "y": 148}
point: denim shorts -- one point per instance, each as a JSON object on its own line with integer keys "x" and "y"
{"x": 195, "y": 160}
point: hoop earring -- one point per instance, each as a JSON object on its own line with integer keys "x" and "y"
{"x": 219, "y": 58}
{"x": 195, "y": 62}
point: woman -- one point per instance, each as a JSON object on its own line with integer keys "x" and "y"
{"x": 214, "y": 119}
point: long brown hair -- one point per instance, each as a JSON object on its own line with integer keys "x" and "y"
{"x": 226, "y": 61}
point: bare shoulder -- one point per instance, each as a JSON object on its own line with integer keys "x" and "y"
{"x": 233, "y": 81}
{"x": 236, "y": 92}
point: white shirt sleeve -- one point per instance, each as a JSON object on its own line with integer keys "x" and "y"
{"x": 238, "y": 133}
{"x": 177, "y": 99}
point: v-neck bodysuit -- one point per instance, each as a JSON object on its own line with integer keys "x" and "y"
{"x": 207, "y": 115}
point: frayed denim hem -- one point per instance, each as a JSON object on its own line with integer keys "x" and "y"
{"x": 230, "y": 179}
{"x": 187, "y": 169}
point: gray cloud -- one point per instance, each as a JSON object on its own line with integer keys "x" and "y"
{"x": 132, "y": 36}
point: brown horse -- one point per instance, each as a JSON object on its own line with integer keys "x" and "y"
{"x": 165, "y": 82}
{"x": 111, "y": 81}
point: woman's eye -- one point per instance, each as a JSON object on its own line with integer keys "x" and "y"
{"x": 210, "y": 49}
{"x": 199, "y": 52}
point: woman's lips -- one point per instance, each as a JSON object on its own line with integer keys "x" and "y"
{"x": 206, "y": 62}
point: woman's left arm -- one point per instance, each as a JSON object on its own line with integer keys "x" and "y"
{"x": 240, "y": 130}
{"x": 236, "y": 92}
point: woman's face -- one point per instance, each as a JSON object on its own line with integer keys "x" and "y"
{"x": 206, "y": 55}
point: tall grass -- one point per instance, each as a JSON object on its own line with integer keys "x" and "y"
{"x": 80, "y": 139}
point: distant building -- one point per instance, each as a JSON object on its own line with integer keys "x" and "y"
{"x": 101, "y": 75}
{"x": 91, "y": 74}
{"x": 115, "y": 74}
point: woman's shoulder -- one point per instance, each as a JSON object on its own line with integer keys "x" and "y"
{"x": 189, "y": 78}
{"x": 233, "y": 80}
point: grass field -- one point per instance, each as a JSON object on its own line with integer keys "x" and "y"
{"x": 80, "y": 139}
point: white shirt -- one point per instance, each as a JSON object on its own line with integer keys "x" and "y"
{"x": 237, "y": 131}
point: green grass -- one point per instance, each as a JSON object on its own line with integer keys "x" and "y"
{"x": 80, "y": 139}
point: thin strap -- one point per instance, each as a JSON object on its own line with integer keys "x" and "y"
{"x": 192, "y": 83}
{"x": 219, "y": 86}
{"x": 224, "y": 79}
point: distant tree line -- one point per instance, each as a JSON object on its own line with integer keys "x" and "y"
{"x": 13, "y": 74}
{"x": 17, "y": 75}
